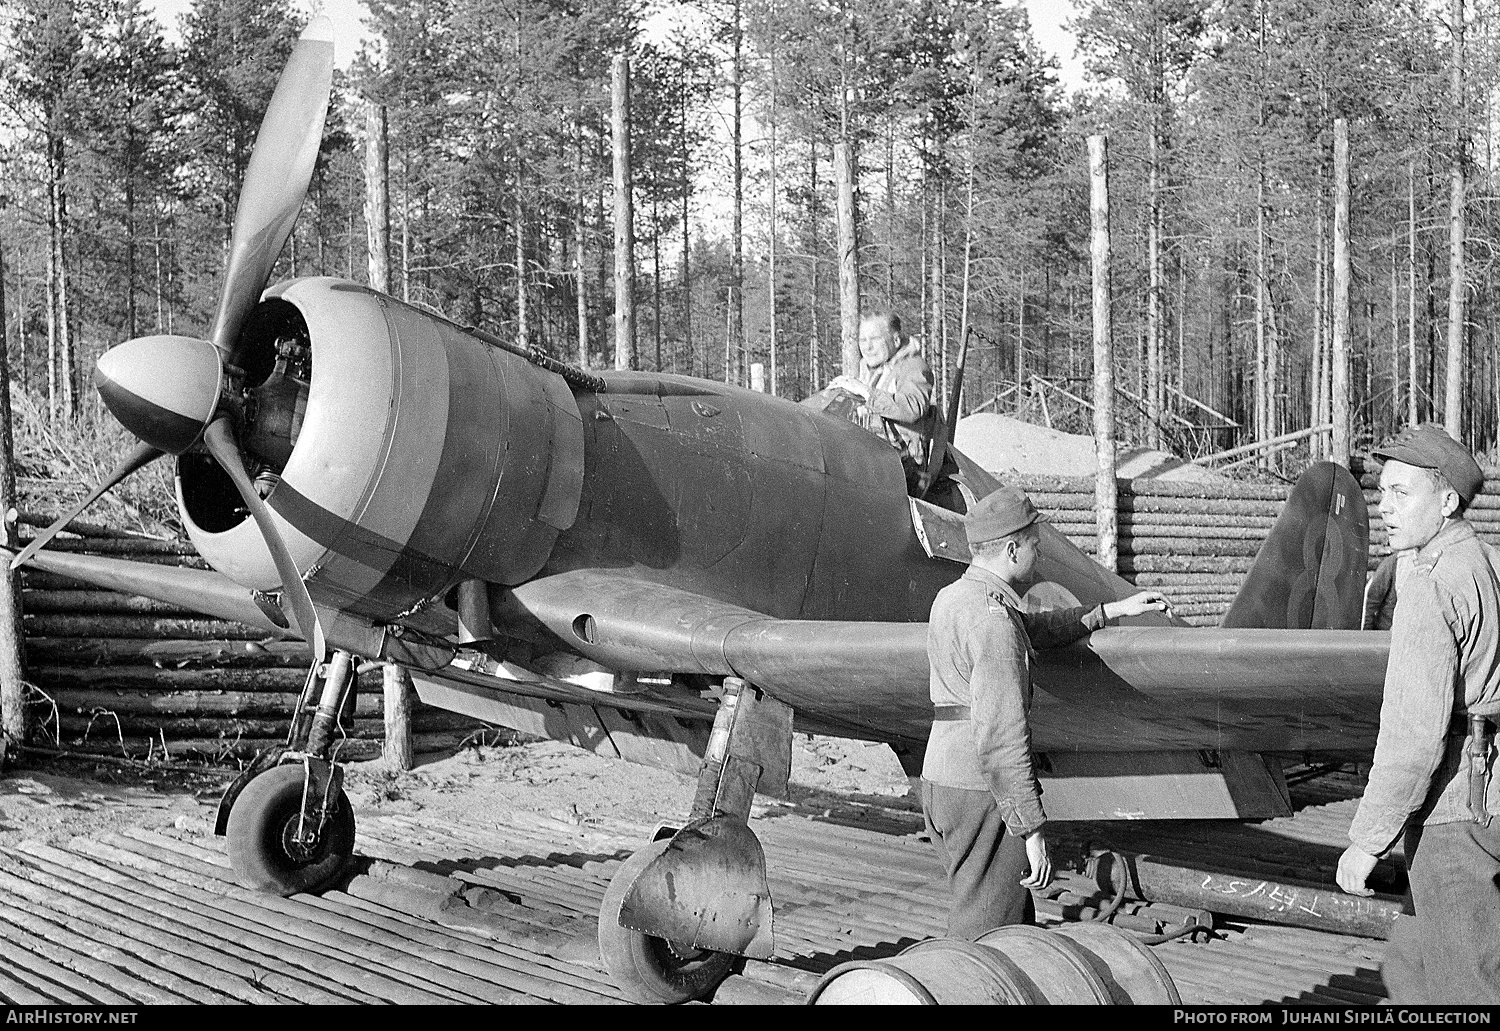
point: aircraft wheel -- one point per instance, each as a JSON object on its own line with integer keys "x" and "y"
{"x": 263, "y": 848}
{"x": 648, "y": 969}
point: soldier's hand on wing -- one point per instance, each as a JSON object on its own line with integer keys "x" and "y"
{"x": 853, "y": 385}
{"x": 1354, "y": 869}
{"x": 1138, "y": 604}
{"x": 1040, "y": 861}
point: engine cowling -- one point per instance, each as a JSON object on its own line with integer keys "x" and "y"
{"x": 398, "y": 453}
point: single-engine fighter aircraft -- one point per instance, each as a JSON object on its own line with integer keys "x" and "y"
{"x": 655, "y": 567}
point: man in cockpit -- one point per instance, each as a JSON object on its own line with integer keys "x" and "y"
{"x": 894, "y": 386}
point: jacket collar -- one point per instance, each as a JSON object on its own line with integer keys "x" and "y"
{"x": 907, "y": 350}
{"x": 996, "y": 583}
{"x": 1457, "y": 530}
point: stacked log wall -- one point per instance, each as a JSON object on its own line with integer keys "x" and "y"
{"x": 131, "y": 676}
{"x": 1196, "y": 540}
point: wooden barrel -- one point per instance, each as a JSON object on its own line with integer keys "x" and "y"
{"x": 1071, "y": 964}
{"x": 1063, "y": 969}
{"x": 1125, "y": 964}
{"x": 936, "y": 972}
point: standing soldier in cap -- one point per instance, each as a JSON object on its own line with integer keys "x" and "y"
{"x": 979, "y": 786}
{"x": 1431, "y": 777}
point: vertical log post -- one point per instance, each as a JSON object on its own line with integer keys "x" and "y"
{"x": 624, "y": 217}
{"x": 377, "y": 197}
{"x": 1105, "y": 500}
{"x": 1341, "y": 413}
{"x": 396, "y": 684}
{"x": 12, "y": 697}
{"x": 843, "y": 167}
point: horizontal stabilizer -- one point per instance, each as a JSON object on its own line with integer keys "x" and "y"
{"x": 1310, "y": 572}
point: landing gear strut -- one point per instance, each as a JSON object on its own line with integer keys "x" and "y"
{"x": 681, "y": 910}
{"x": 290, "y": 825}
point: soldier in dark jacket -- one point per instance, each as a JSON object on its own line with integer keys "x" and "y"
{"x": 979, "y": 785}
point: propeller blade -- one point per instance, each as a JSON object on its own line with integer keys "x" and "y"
{"x": 133, "y": 460}
{"x": 276, "y": 181}
{"x": 220, "y": 441}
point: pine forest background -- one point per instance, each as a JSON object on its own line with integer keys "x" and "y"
{"x": 121, "y": 154}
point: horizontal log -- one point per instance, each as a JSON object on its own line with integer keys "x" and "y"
{"x": 1059, "y": 503}
{"x": 244, "y": 704}
{"x": 1230, "y": 581}
{"x": 1190, "y": 546}
{"x": 1184, "y": 543}
{"x": 52, "y": 624}
{"x": 1154, "y": 487}
{"x": 220, "y": 749}
{"x": 122, "y": 547}
{"x": 97, "y": 603}
{"x": 1183, "y": 564}
{"x": 76, "y": 725}
{"x": 1200, "y": 609}
{"x": 80, "y": 527}
{"x": 147, "y": 678}
{"x": 166, "y": 654}
{"x": 1175, "y": 525}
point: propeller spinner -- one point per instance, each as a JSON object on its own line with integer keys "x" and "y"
{"x": 167, "y": 389}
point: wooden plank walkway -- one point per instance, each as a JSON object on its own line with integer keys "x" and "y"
{"x": 506, "y": 913}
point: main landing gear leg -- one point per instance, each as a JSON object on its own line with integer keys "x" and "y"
{"x": 290, "y": 825}
{"x": 681, "y": 909}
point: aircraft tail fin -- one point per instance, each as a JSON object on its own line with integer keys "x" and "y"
{"x": 1310, "y": 572}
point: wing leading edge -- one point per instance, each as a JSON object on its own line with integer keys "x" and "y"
{"x": 1121, "y": 690}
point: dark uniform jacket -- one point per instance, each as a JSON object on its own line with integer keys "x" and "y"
{"x": 1444, "y": 661}
{"x": 979, "y": 655}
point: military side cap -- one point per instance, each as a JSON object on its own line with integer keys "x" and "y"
{"x": 1428, "y": 446}
{"x": 999, "y": 515}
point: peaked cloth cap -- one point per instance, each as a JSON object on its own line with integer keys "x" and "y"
{"x": 1428, "y": 446}
{"x": 999, "y": 515}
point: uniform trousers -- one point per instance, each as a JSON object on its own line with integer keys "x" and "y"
{"x": 1449, "y": 952}
{"x": 985, "y": 862}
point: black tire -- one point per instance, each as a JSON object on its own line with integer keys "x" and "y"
{"x": 261, "y": 824}
{"x": 648, "y": 969}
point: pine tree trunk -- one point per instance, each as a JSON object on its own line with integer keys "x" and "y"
{"x": 1339, "y": 353}
{"x": 12, "y": 672}
{"x": 772, "y": 270}
{"x": 377, "y": 197}
{"x": 1262, "y": 401}
{"x": 624, "y": 219}
{"x": 1106, "y": 526}
{"x": 1411, "y": 293}
{"x": 1153, "y": 391}
{"x": 814, "y": 353}
{"x": 684, "y": 155}
{"x": 1453, "y": 400}
{"x": 736, "y": 343}
{"x": 843, "y": 165}
{"x": 580, "y": 251}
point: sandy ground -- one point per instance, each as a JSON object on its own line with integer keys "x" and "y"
{"x": 55, "y": 799}
{"x": 1004, "y": 445}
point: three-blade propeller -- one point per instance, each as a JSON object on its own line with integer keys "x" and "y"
{"x": 167, "y": 390}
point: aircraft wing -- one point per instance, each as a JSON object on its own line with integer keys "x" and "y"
{"x": 1120, "y": 690}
